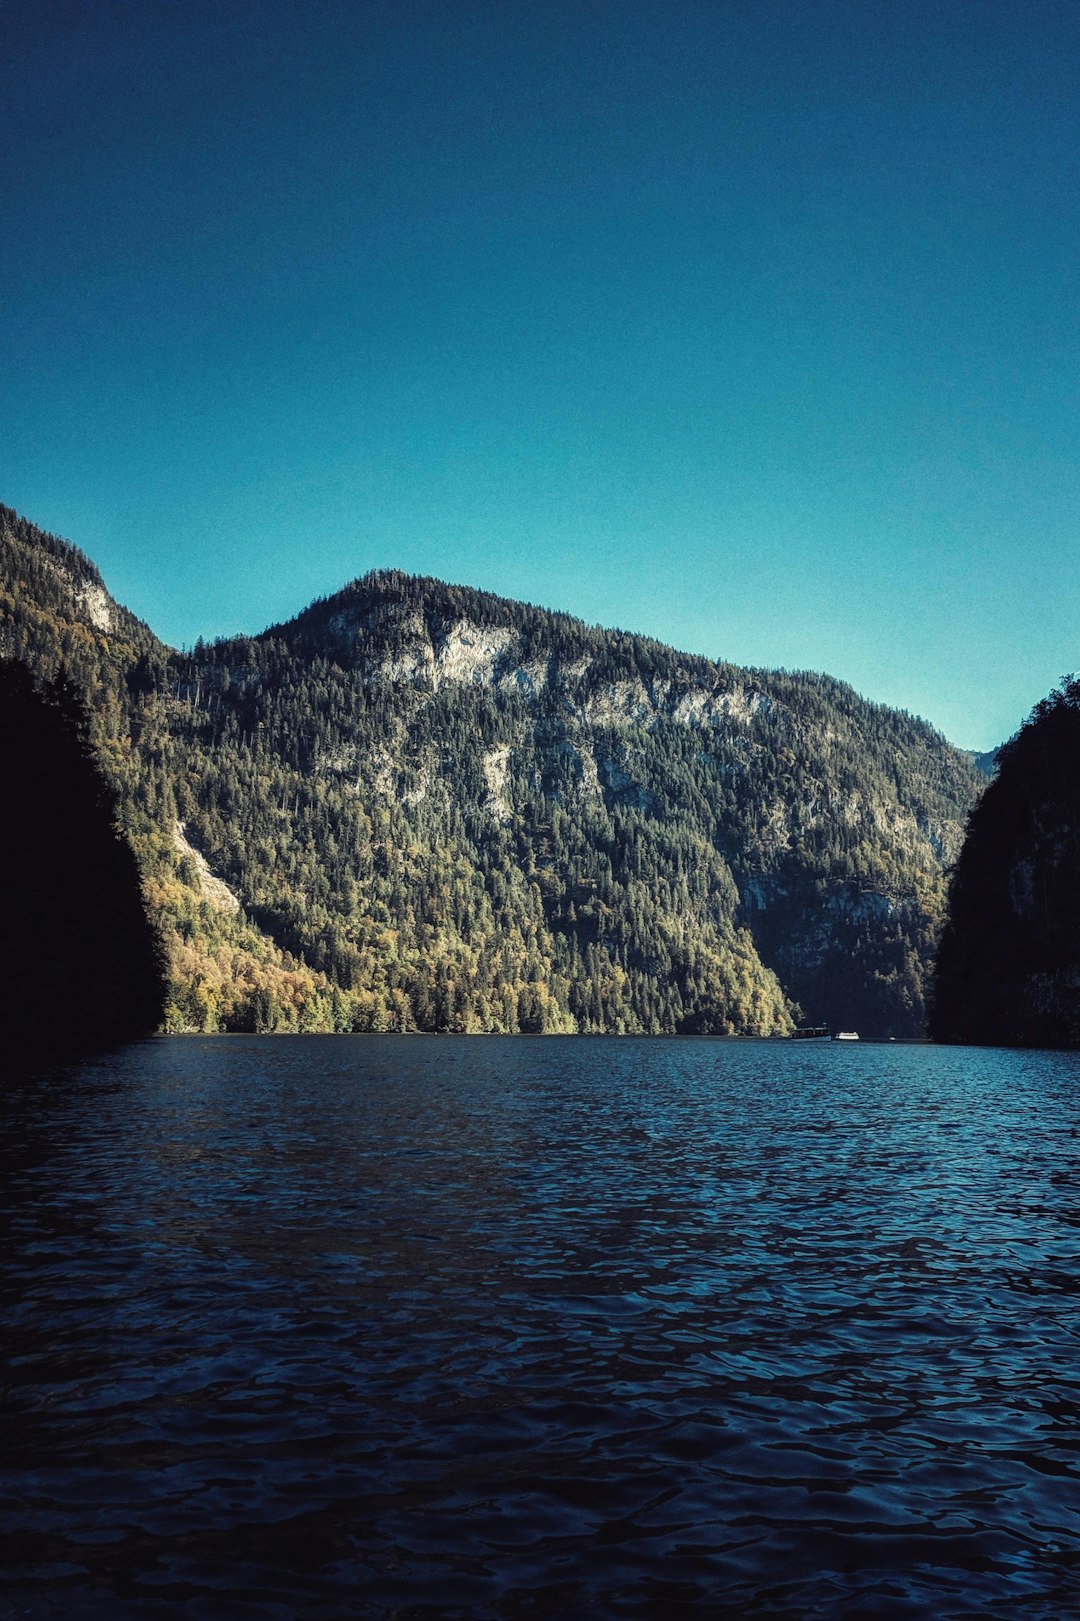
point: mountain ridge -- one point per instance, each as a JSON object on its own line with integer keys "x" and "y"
{"x": 389, "y": 585}
{"x": 381, "y": 583}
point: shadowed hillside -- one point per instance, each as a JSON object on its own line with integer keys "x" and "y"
{"x": 1008, "y": 968}
{"x": 80, "y": 965}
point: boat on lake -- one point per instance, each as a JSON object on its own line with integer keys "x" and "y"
{"x": 846, "y": 1035}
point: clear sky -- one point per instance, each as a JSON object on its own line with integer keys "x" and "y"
{"x": 751, "y": 324}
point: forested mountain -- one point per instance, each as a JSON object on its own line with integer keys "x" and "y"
{"x": 1008, "y": 971}
{"x": 431, "y": 808}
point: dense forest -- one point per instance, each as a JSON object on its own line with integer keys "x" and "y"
{"x": 1008, "y": 971}
{"x": 421, "y": 807}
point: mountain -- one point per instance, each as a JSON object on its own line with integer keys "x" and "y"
{"x": 421, "y": 806}
{"x": 986, "y": 761}
{"x": 1008, "y": 971}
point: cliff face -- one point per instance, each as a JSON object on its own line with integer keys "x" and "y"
{"x": 1008, "y": 969}
{"x": 441, "y": 809}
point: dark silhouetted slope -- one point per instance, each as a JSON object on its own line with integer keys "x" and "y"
{"x": 1008, "y": 968}
{"x": 80, "y": 965}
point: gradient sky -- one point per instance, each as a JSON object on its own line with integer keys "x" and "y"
{"x": 751, "y": 324}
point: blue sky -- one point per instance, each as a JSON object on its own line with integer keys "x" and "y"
{"x": 753, "y": 326}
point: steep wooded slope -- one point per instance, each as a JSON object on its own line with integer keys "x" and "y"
{"x": 1008, "y": 972}
{"x": 80, "y": 965}
{"x": 440, "y": 809}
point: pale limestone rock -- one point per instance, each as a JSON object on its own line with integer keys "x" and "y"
{"x": 213, "y": 890}
{"x": 495, "y": 765}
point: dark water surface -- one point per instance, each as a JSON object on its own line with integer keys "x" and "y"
{"x": 323, "y": 1327}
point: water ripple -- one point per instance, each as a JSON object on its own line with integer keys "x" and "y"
{"x": 328, "y": 1327}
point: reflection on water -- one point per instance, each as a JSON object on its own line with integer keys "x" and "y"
{"x": 324, "y": 1326}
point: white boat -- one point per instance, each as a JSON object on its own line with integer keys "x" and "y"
{"x": 846, "y": 1035}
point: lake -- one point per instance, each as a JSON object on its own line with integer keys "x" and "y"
{"x": 334, "y": 1326}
